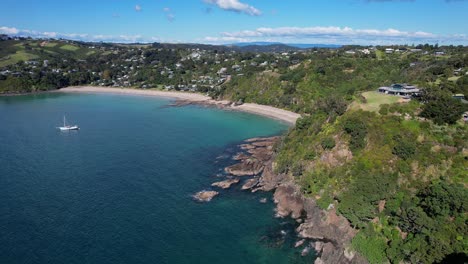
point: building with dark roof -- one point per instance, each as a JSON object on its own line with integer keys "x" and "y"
{"x": 400, "y": 90}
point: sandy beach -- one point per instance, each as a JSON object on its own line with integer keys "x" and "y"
{"x": 264, "y": 110}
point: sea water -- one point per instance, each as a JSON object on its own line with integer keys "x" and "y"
{"x": 120, "y": 189}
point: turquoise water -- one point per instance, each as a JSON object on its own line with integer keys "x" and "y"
{"x": 119, "y": 190}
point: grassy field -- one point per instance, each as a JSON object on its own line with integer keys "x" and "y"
{"x": 454, "y": 78}
{"x": 69, "y": 47}
{"x": 50, "y": 44}
{"x": 374, "y": 101}
{"x": 15, "y": 58}
{"x": 380, "y": 54}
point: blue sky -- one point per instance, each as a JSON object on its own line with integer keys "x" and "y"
{"x": 230, "y": 21}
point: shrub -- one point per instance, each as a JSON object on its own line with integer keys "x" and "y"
{"x": 384, "y": 109}
{"x": 404, "y": 148}
{"x": 328, "y": 143}
{"x": 443, "y": 110}
{"x": 372, "y": 247}
{"x": 357, "y": 129}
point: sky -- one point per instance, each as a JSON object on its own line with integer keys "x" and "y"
{"x": 363, "y": 22}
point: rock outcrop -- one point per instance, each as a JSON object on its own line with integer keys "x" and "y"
{"x": 259, "y": 151}
{"x": 226, "y": 184}
{"x": 205, "y": 196}
{"x": 289, "y": 201}
{"x": 250, "y": 183}
{"x": 331, "y": 233}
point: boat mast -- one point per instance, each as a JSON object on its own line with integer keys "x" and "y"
{"x": 64, "y": 121}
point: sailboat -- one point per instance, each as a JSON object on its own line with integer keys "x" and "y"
{"x": 66, "y": 127}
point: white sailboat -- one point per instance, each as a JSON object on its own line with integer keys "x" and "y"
{"x": 66, "y": 127}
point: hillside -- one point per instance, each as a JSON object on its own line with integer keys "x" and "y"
{"x": 400, "y": 180}
{"x": 396, "y": 169}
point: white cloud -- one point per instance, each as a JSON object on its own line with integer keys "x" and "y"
{"x": 236, "y": 6}
{"x": 138, "y": 8}
{"x": 223, "y": 40}
{"x": 169, "y": 15}
{"x": 8, "y": 30}
{"x": 301, "y": 32}
{"x": 74, "y": 36}
{"x": 336, "y": 35}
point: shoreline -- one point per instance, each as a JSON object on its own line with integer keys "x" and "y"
{"x": 323, "y": 231}
{"x": 263, "y": 110}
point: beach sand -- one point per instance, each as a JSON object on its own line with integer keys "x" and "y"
{"x": 264, "y": 110}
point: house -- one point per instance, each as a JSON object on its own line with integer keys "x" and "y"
{"x": 400, "y": 89}
{"x": 389, "y": 50}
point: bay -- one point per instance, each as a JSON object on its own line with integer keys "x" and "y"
{"x": 119, "y": 189}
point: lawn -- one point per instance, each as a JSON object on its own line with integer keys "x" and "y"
{"x": 69, "y": 47}
{"x": 380, "y": 54}
{"x": 454, "y": 78}
{"x": 50, "y": 44}
{"x": 15, "y": 58}
{"x": 374, "y": 100}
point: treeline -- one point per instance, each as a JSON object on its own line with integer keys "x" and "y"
{"x": 332, "y": 73}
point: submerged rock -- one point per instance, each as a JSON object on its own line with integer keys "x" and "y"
{"x": 205, "y": 196}
{"x": 226, "y": 183}
{"x": 299, "y": 243}
{"x": 240, "y": 156}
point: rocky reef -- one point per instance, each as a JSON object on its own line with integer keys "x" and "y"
{"x": 205, "y": 196}
{"x": 324, "y": 231}
{"x": 328, "y": 233}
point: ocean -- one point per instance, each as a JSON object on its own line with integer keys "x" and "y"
{"x": 120, "y": 189}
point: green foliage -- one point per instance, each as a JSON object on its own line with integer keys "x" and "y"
{"x": 444, "y": 199}
{"x": 405, "y": 146}
{"x": 328, "y": 143}
{"x": 371, "y": 247}
{"x": 304, "y": 122}
{"x": 393, "y": 167}
{"x": 357, "y": 129}
{"x": 359, "y": 203}
{"x": 442, "y": 108}
{"x": 333, "y": 105}
{"x": 384, "y": 109}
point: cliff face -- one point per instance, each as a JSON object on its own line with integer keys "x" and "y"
{"x": 328, "y": 233}
{"x": 331, "y": 233}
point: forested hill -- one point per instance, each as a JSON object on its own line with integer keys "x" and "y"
{"x": 397, "y": 169}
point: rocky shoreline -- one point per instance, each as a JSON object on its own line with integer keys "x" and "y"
{"x": 328, "y": 233}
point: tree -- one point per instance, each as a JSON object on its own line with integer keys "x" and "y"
{"x": 443, "y": 110}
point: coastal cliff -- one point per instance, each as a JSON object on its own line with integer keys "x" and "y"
{"x": 328, "y": 233}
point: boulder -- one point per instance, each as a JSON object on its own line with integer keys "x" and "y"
{"x": 205, "y": 196}
{"x": 249, "y": 184}
{"x": 226, "y": 183}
